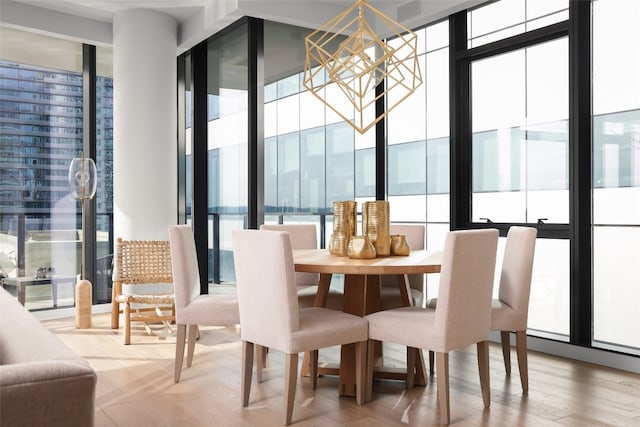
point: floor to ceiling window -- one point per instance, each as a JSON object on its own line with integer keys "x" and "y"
{"x": 41, "y": 123}
{"x": 310, "y": 156}
{"x": 511, "y": 66}
{"x": 227, "y": 142}
{"x": 520, "y": 161}
{"x": 616, "y": 173}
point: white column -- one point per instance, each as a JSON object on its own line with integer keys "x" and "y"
{"x": 144, "y": 124}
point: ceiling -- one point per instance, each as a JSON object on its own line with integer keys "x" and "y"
{"x": 90, "y": 21}
{"x": 307, "y": 13}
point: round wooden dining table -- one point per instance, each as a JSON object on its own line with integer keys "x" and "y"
{"x": 362, "y": 297}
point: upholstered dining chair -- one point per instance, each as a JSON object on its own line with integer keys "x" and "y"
{"x": 303, "y": 236}
{"x": 389, "y": 291}
{"x": 461, "y": 318}
{"x": 270, "y": 315}
{"x": 192, "y": 308}
{"x": 509, "y": 312}
{"x": 142, "y": 284}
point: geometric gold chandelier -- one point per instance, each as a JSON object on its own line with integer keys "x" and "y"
{"x": 346, "y": 61}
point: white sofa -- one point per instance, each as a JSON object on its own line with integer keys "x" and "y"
{"x": 42, "y": 381}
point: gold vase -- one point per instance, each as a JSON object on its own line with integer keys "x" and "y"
{"x": 360, "y": 247}
{"x": 399, "y": 245}
{"x": 344, "y": 226}
{"x": 375, "y": 225}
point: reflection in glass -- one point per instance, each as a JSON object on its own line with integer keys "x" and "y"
{"x": 616, "y": 174}
{"x": 227, "y": 142}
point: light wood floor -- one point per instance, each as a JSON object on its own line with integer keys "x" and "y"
{"x": 136, "y": 388}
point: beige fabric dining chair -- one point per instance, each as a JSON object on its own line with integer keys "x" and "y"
{"x": 510, "y": 311}
{"x": 461, "y": 318}
{"x": 271, "y": 317}
{"x": 192, "y": 308}
{"x": 389, "y": 290}
{"x": 303, "y": 236}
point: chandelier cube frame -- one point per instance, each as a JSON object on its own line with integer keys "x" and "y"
{"x": 359, "y": 63}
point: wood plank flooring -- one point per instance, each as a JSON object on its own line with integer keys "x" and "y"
{"x": 136, "y": 388}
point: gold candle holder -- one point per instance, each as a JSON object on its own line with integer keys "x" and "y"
{"x": 375, "y": 225}
{"x": 360, "y": 247}
{"x": 399, "y": 245}
{"x": 344, "y": 226}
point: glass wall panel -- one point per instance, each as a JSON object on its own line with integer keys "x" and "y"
{"x": 340, "y": 163}
{"x": 549, "y": 299}
{"x": 41, "y": 130}
{"x": 616, "y": 174}
{"x": 227, "y": 83}
{"x": 366, "y": 173}
{"x": 520, "y": 139}
{"x": 406, "y": 169}
{"x": 104, "y": 165}
{"x": 506, "y": 18}
{"x": 289, "y": 172}
{"x": 313, "y": 161}
{"x": 312, "y": 188}
{"x": 418, "y": 143}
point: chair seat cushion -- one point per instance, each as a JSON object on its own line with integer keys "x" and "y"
{"x": 147, "y": 299}
{"x": 307, "y": 297}
{"x": 200, "y": 311}
{"x": 385, "y": 326}
{"x": 321, "y": 327}
{"x": 390, "y": 297}
{"x": 505, "y": 318}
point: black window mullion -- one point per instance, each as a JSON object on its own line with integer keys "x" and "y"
{"x": 200, "y": 203}
{"x": 182, "y": 143}
{"x": 381, "y": 145}
{"x": 89, "y": 138}
{"x": 460, "y": 124}
{"x": 580, "y": 161}
{"x": 255, "y": 203}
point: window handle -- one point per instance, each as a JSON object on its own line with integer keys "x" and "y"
{"x": 541, "y": 221}
{"x": 487, "y": 219}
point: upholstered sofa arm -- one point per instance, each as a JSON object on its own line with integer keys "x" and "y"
{"x": 42, "y": 381}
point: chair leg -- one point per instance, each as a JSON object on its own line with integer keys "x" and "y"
{"x": 371, "y": 350}
{"x": 361, "y": 371}
{"x": 191, "y": 343}
{"x": 127, "y": 323}
{"x": 291, "y": 375}
{"x": 521, "y": 349}
{"x": 411, "y": 366}
{"x": 180, "y": 338}
{"x": 313, "y": 368}
{"x": 115, "y": 306}
{"x": 506, "y": 350}
{"x": 247, "y": 367}
{"x": 483, "y": 368}
{"x": 260, "y": 355}
{"x": 442, "y": 373}
{"x": 432, "y": 363}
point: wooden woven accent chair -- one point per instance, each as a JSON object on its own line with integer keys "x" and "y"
{"x": 137, "y": 263}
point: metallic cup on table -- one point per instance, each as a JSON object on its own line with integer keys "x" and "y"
{"x": 375, "y": 225}
{"x": 399, "y": 245}
{"x": 344, "y": 227}
{"x": 360, "y": 247}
